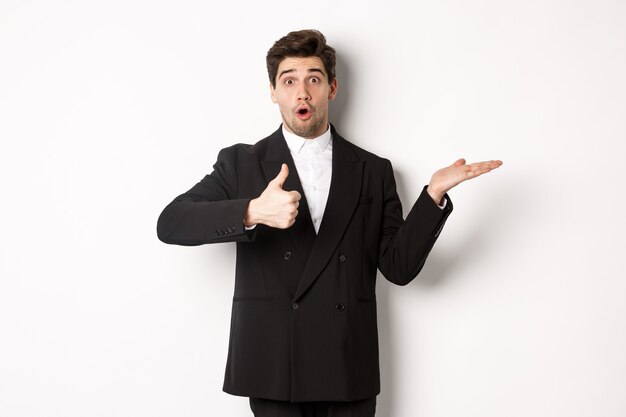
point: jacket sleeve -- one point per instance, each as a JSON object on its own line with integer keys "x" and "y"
{"x": 405, "y": 244}
{"x": 210, "y": 211}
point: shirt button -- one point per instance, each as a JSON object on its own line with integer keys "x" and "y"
{"x": 342, "y": 258}
{"x": 295, "y": 306}
{"x": 314, "y": 220}
{"x": 340, "y": 307}
{"x": 287, "y": 255}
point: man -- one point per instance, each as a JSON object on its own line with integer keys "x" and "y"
{"x": 314, "y": 217}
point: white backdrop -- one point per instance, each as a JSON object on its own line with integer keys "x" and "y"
{"x": 108, "y": 110}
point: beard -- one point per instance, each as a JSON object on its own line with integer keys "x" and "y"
{"x": 309, "y": 129}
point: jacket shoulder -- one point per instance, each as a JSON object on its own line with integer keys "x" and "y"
{"x": 245, "y": 149}
{"x": 372, "y": 160}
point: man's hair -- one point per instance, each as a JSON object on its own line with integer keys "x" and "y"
{"x": 301, "y": 43}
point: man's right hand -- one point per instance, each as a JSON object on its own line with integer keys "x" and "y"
{"x": 275, "y": 207}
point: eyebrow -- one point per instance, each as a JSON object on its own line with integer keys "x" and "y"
{"x": 310, "y": 70}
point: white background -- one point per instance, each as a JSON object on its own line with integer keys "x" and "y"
{"x": 108, "y": 110}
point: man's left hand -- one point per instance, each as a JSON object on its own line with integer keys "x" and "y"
{"x": 449, "y": 177}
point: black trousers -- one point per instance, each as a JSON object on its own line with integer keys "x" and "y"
{"x": 262, "y": 407}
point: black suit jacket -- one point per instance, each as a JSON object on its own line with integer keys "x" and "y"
{"x": 303, "y": 321}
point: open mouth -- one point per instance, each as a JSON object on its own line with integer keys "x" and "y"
{"x": 303, "y": 113}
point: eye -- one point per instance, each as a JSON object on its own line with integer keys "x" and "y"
{"x": 315, "y": 80}
{"x": 288, "y": 81}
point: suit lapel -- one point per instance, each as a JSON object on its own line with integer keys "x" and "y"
{"x": 345, "y": 188}
{"x": 302, "y": 232}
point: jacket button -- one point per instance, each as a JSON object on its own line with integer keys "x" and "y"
{"x": 342, "y": 258}
{"x": 340, "y": 307}
{"x": 287, "y": 255}
{"x": 295, "y": 306}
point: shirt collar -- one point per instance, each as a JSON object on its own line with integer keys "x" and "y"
{"x": 296, "y": 143}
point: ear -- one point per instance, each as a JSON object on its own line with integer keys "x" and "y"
{"x": 273, "y": 93}
{"x": 333, "y": 89}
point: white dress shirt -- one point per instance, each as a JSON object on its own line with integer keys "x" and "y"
{"x": 314, "y": 162}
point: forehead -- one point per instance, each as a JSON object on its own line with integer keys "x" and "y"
{"x": 301, "y": 64}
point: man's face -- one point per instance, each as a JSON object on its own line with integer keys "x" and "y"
{"x": 302, "y": 92}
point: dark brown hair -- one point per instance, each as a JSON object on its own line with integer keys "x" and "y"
{"x": 301, "y": 43}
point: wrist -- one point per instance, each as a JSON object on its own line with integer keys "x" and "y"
{"x": 250, "y": 218}
{"x": 436, "y": 195}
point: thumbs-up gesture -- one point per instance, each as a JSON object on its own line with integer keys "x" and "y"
{"x": 275, "y": 207}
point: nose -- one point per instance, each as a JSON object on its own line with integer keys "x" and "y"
{"x": 303, "y": 93}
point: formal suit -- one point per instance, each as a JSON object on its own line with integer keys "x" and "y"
{"x": 303, "y": 321}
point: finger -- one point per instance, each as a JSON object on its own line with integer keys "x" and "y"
{"x": 478, "y": 170}
{"x": 459, "y": 162}
{"x": 282, "y": 176}
{"x": 478, "y": 166}
{"x": 491, "y": 164}
{"x": 295, "y": 195}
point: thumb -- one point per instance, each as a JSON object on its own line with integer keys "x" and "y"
{"x": 459, "y": 162}
{"x": 282, "y": 176}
